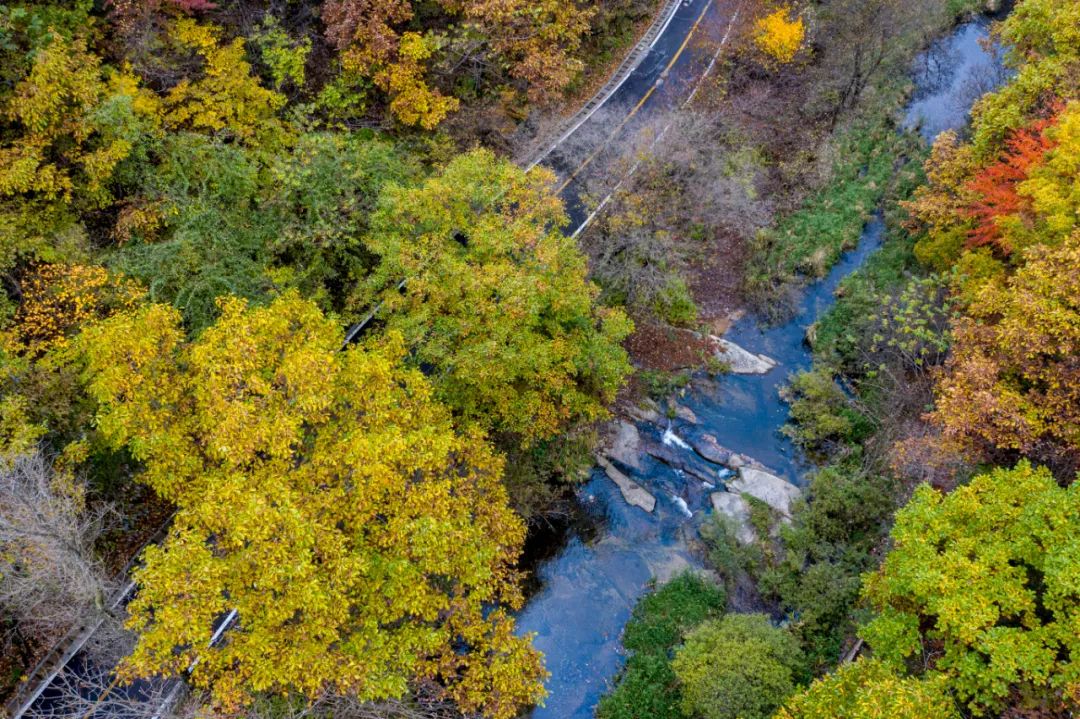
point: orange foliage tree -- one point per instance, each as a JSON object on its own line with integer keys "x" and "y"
{"x": 532, "y": 40}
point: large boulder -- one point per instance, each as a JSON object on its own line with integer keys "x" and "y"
{"x": 681, "y": 460}
{"x": 625, "y": 445}
{"x": 770, "y": 489}
{"x": 739, "y": 360}
{"x": 737, "y": 509}
{"x": 632, "y": 492}
{"x": 709, "y": 448}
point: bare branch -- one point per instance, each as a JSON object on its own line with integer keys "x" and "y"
{"x": 50, "y": 578}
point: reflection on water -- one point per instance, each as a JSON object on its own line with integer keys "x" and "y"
{"x": 587, "y": 589}
{"x": 955, "y": 72}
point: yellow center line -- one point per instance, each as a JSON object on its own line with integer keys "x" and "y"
{"x": 641, "y": 102}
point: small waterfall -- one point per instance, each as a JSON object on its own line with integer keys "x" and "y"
{"x": 681, "y": 504}
{"x": 673, "y": 440}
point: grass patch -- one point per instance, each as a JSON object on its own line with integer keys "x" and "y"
{"x": 660, "y": 384}
{"x": 875, "y": 162}
{"x": 835, "y": 336}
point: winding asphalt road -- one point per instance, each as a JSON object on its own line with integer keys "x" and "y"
{"x": 667, "y": 76}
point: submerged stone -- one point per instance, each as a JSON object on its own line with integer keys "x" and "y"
{"x": 681, "y": 460}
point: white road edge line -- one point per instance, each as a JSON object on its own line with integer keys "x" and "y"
{"x": 659, "y": 137}
{"x": 551, "y": 148}
{"x": 671, "y": 16}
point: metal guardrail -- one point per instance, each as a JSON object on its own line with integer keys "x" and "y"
{"x": 43, "y": 673}
{"x": 627, "y": 66}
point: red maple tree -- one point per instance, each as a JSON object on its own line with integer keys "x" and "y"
{"x": 997, "y": 185}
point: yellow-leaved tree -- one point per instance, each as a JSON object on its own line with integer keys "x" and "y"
{"x": 327, "y": 498}
{"x": 72, "y": 124}
{"x": 228, "y": 97}
{"x": 497, "y": 301}
{"x": 780, "y": 34}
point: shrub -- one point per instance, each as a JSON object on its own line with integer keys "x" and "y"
{"x": 740, "y": 667}
{"x": 779, "y": 35}
{"x": 821, "y": 414}
{"x": 648, "y": 688}
{"x": 826, "y": 548}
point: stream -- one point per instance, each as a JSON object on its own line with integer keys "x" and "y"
{"x": 586, "y": 588}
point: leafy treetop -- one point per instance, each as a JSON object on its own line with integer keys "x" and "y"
{"x": 322, "y": 494}
{"x": 496, "y": 300}
{"x": 869, "y": 689}
{"x": 780, "y": 35}
{"x": 981, "y": 586}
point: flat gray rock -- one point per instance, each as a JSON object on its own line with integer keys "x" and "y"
{"x": 708, "y": 448}
{"x": 738, "y": 509}
{"x": 770, "y": 489}
{"x": 625, "y": 445}
{"x": 739, "y": 360}
{"x": 685, "y": 413}
{"x": 632, "y": 492}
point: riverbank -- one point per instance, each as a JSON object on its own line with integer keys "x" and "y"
{"x": 670, "y": 450}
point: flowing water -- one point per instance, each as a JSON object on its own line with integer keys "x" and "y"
{"x": 587, "y": 589}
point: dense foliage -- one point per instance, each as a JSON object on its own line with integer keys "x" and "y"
{"x": 738, "y": 667}
{"x": 952, "y": 345}
{"x": 980, "y": 587}
{"x": 330, "y": 481}
{"x": 1001, "y": 209}
{"x": 648, "y": 687}
{"x": 496, "y": 300}
{"x": 1012, "y": 381}
{"x": 869, "y": 689}
{"x": 973, "y": 607}
{"x": 196, "y": 200}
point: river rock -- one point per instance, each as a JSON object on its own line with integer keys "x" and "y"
{"x": 739, "y": 360}
{"x": 711, "y": 450}
{"x": 626, "y": 445}
{"x": 770, "y": 489}
{"x": 684, "y": 413}
{"x": 632, "y": 492}
{"x": 681, "y": 460}
{"x": 707, "y": 446}
{"x": 648, "y": 411}
{"x": 738, "y": 509}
